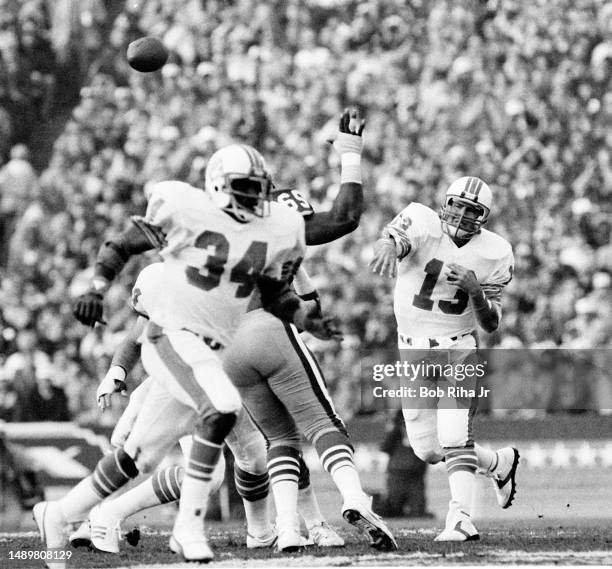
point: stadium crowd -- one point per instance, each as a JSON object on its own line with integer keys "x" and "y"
{"x": 516, "y": 93}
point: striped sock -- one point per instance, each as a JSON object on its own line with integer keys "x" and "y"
{"x": 254, "y": 490}
{"x": 461, "y": 465}
{"x": 460, "y": 458}
{"x": 167, "y": 484}
{"x": 161, "y": 488}
{"x": 336, "y": 455}
{"x": 284, "y": 470}
{"x": 112, "y": 472}
{"x": 196, "y": 483}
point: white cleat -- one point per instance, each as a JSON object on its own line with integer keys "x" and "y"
{"x": 289, "y": 539}
{"x": 189, "y": 541}
{"x": 359, "y": 514}
{"x": 504, "y": 476}
{"x": 324, "y": 535}
{"x": 81, "y": 537}
{"x": 261, "y": 542}
{"x": 52, "y": 527}
{"x": 459, "y": 527}
{"x": 105, "y": 530}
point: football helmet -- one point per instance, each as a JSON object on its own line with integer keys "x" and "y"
{"x": 466, "y": 207}
{"x": 238, "y": 181}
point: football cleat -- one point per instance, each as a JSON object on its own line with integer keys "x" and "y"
{"x": 359, "y": 514}
{"x": 105, "y": 530}
{"x": 81, "y": 536}
{"x": 459, "y": 527}
{"x": 52, "y": 527}
{"x": 289, "y": 538}
{"x": 504, "y": 476}
{"x": 189, "y": 541}
{"x": 324, "y": 535}
{"x": 254, "y": 542}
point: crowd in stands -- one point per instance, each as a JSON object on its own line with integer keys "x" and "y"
{"x": 516, "y": 93}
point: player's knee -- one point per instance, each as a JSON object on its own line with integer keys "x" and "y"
{"x": 250, "y": 454}
{"x": 216, "y": 426}
{"x": 452, "y": 437}
{"x": 427, "y": 449}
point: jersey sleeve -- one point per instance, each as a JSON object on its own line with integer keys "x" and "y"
{"x": 411, "y": 227}
{"x": 500, "y": 277}
{"x": 293, "y": 199}
{"x": 166, "y": 201}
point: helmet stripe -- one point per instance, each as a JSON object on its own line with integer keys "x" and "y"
{"x": 256, "y": 162}
{"x": 477, "y": 188}
{"x": 249, "y": 154}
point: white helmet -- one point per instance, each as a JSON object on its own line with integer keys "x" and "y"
{"x": 466, "y": 193}
{"x": 238, "y": 180}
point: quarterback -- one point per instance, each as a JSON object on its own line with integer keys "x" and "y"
{"x": 216, "y": 245}
{"x": 451, "y": 272}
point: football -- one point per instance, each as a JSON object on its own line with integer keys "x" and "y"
{"x": 147, "y": 54}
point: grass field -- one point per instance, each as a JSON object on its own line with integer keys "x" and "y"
{"x": 561, "y": 517}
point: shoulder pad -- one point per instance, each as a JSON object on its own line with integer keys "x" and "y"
{"x": 493, "y": 246}
{"x": 424, "y": 216}
{"x": 294, "y": 200}
{"x": 147, "y": 288}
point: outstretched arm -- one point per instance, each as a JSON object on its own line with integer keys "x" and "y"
{"x": 111, "y": 259}
{"x": 345, "y": 213}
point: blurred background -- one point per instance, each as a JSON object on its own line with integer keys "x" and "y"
{"x": 516, "y": 93}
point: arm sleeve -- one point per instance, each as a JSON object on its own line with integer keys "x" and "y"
{"x": 116, "y": 252}
{"x": 340, "y": 220}
{"x": 128, "y": 352}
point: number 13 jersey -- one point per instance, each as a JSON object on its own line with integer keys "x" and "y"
{"x": 212, "y": 260}
{"x": 425, "y": 304}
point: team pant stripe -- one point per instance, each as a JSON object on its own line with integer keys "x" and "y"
{"x": 314, "y": 375}
{"x": 181, "y": 372}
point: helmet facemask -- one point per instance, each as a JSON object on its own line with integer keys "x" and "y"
{"x": 248, "y": 195}
{"x": 462, "y": 218}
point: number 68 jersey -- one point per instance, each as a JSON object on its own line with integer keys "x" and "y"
{"x": 425, "y": 304}
{"x": 212, "y": 260}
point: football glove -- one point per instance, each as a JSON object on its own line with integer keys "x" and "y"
{"x": 321, "y": 327}
{"x": 113, "y": 382}
{"x": 349, "y": 136}
{"x": 88, "y": 308}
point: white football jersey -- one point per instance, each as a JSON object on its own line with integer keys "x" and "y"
{"x": 212, "y": 260}
{"x": 425, "y": 304}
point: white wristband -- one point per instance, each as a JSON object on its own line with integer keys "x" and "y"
{"x": 350, "y": 164}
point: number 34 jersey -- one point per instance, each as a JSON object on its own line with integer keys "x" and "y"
{"x": 425, "y": 304}
{"x": 212, "y": 260}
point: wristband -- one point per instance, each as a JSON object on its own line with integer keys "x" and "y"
{"x": 350, "y": 168}
{"x": 118, "y": 372}
{"x": 100, "y": 284}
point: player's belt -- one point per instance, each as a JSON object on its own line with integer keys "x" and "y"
{"x": 433, "y": 342}
{"x": 212, "y": 344}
